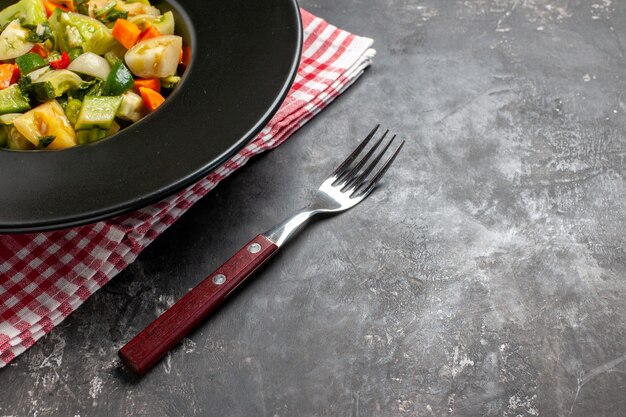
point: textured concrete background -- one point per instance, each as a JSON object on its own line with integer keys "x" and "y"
{"x": 485, "y": 278}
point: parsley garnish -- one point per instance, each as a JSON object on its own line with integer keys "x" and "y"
{"x": 109, "y": 13}
{"x": 34, "y": 37}
{"x": 113, "y": 15}
{"x": 44, "y": 141}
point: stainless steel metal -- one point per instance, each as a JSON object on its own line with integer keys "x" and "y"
{"x": 346, "y": 187}
{"x": 219, "y": 279}
{"x": 254, "y": 248}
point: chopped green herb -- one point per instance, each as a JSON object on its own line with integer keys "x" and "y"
{"x": 110, "y": 14}
{"x": 102, "y": 12}
{"x": 113, "y": 15}
{"x": 44, "y": 141}
{"x": 39, "y": 33}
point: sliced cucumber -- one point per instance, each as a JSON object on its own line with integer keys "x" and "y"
{"x": 97, "y": 112}
{"x": 90, "y": 135}
{"x": 12, "y": 100}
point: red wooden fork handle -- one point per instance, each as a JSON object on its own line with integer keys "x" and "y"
{"x": 149, "y": 346}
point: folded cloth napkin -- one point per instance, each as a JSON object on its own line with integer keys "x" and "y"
{"x": 46, "y": 276}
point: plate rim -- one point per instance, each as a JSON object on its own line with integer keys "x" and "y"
{"x": 163, "y": 192}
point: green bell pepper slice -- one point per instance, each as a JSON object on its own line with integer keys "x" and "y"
{"x": 119, "y": 81}
{"x": 30, "y": 62}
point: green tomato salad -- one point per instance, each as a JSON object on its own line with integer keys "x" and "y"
{"x": 77, "y": 71}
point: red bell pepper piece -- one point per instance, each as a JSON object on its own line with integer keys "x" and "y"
{"x": 62, "y": 62}
{"x": 16, "y": 74}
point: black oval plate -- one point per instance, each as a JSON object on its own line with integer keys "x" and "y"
{"x": 244, "y": 58}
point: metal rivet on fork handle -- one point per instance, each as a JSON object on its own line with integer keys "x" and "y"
{"x": 254, "y": 248}
{"x": 219, "y": 279}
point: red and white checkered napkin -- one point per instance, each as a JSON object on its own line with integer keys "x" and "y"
{"x": 46, "y": 276}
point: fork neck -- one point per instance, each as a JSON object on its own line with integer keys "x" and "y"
{"x": 286, "y": 229}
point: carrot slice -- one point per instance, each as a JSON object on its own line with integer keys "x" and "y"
{"x": 126, "y": 32}
{"x": 8, "y": 75}
{"x": 40, "y": 50}
{"x": 149, "y": 32}
{"x": 51, "y": 7}
{"x": 151, "y": 83}
{"x": 151, "y": 98}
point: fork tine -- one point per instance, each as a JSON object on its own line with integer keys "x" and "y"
{"x": 346, "y": 163}
{"x": 351, "y": 172}
{"x": 358, "y": 180}
{"x": 369, "y": 186}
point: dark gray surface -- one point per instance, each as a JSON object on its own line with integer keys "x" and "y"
{"x": 485, "y": 278}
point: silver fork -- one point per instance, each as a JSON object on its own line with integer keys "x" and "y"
{"x": 347, "y": 186}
